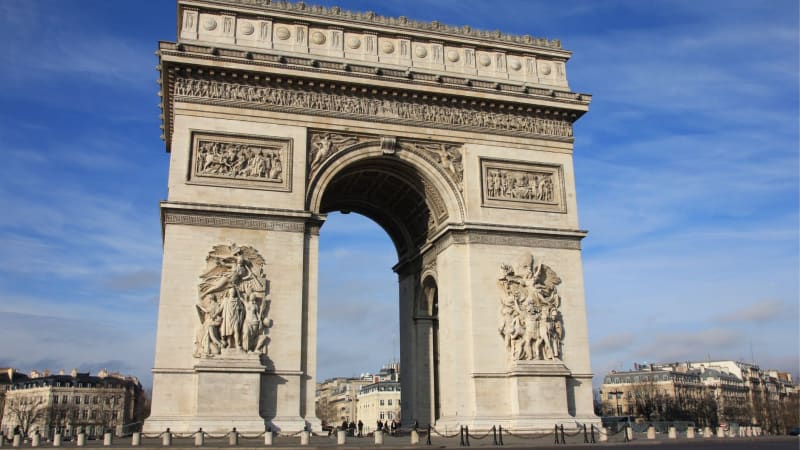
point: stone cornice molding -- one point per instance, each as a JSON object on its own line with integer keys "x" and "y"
{"x": 476, "y": 233}
{"x": 346, "y": 101}
{"x": 399, "y": 24}
{"x": 193, "y": 214}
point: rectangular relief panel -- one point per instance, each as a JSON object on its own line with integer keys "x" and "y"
{"x": 519, "y": 185}
{"x": 240, "y": 161}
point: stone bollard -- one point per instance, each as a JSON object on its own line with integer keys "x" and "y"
{"x": 57, "y": 439}
{"x": 136, "y": 439}
{"x": 36, "y": 440}
{"x": 378, "y": 437}
{"x": 268, "y": 438}
{"x": 690, "y": 433}
{"x": 233, "y": 438}
{"x": 81, "y": 439}
{"x": 707, "y": 432}
{"x": 651, "y": 432}
{"x": 629, "y": 433}
{"x": 341, "y": 437}
{"x": 166, "y": 439}
{"x": 17, "y": 441}
{"x": 108, "y": 439}
{"x": 603, "y": 434}
{"x": 720, "y": 432}
{"x": 672, "y": 432}
{"x": 199, "y": 438}
{"x": 305, "y": 437}
{"x": 414, "y": 437}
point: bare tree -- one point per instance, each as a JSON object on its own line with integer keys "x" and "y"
{"x": 26, "y": 414}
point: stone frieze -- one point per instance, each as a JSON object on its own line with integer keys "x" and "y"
{"x": 260, "y": 163}
{"x": 368, "y": 108}
{"x": 523, "y": 186}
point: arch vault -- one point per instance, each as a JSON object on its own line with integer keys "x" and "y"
{"x": 456, "y": 142}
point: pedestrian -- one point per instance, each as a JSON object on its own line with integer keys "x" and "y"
{"x": 360, "y": 428}
{"x": 380, "y": 425}
{"x": 394, "y": 427}
{"x": 352, "y": 428}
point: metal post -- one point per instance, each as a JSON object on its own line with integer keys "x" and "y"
{"x": 166, "y": 439}
{"x": 199, "y": 438}
{"x": 428, "y": 440}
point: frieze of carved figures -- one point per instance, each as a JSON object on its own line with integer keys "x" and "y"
{"x": 232, "y": 306}
{"x": 531, "y": 325}
{"x": 504, "y": 184}
{"x": 371, "y": 108}
{"x": 238, "y": 160}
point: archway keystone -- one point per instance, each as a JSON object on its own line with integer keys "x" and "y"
{"x": 457, "y": 142}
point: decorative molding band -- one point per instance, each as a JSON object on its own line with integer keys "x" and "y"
{"x": 228, "y": 220}
{"x": 505, "y": 238}
{"x": 240, "y": 161}
{"x": 518, "y": 185}
{"x": 370, "y": 18}
{"x": 369, "y": 108}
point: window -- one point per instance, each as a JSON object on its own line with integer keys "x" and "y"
{"x": 55, "y": 399}
{"x": 381, "y": 402}
{"x": 94, "y": 399}
{"x": 64, "y": 399}
{"x": 636, "y": 378}
{"x": 389, "y": 414}
{"x": 77, "y": 399}
{"x": 382, "y": 415}
{"x": 86, "y": 399}
{"x": 94, "y": 414}
{"x": 85, "y": 414}
{"x": 390, "y": 404}
{"x": 609, "y": 396}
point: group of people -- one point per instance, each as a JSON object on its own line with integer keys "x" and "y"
{"x": 357, "y": 429}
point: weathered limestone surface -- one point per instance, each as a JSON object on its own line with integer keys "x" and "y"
{"x": 457, "y": 142}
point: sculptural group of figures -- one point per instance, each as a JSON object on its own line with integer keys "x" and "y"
{"x": 531, "y": 324}
{"x": 233, "y": 306}
{"x": 515, "y": 185}
{"x": 238, "y": 161}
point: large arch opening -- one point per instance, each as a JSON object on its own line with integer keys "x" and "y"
{"x": 406, "y": 205}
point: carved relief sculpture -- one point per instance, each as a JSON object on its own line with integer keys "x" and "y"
{"x": 522, "y": 186}
{"x": 324, "y": 145}
{"x": 531, "y": 325}
{"x": 244, "y": 161}
{"x": 233, "y": 305}
{"x": 449, "y": 158}
{"x": 385, "y": 110}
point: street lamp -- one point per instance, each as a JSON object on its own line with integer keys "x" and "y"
{"x": 616, "y": 395}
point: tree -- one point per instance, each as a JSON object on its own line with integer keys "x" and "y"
{"x": 26, "y": 414}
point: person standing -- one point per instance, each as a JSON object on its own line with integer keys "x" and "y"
{"x": 360, "y": 428}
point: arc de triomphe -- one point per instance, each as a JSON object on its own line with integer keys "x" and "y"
{"x": 457, "y": 142}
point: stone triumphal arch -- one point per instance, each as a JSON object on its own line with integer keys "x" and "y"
{"x": 457, "y": 142}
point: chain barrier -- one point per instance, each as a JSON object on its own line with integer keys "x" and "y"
{"x": 434, "y": 430}
{"x": 473, "y": 436}
{"x": 253, "y": 436}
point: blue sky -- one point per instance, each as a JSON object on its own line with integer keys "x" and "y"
{"x": 687, "y": 170}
